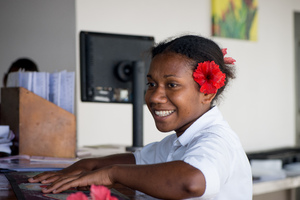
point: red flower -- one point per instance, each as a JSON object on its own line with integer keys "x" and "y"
{"x": 77, "y": 196}
{"x": 97, "y": 193}
{"x": 227, "y": 60}
{"x": 209, "y": 76}
{"x": 101, "y": 193}
{"x": 224, "y": 51}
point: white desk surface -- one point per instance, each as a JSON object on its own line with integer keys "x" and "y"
{"x": 276, "y": 185}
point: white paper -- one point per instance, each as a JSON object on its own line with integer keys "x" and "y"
{"x": 54, "y": 88}
{"x": 5, "y": 139}
{"x": 40, "y": 84}
{"x": 57, "y": 87}
{"x": 4, "y": 132}
{"x": 67, "y": 91}
{"x": 268, "y": 168}
{"x": 26, "y": 80}
{"x": 5, "y": 147}
{"x": 13, "y": 79}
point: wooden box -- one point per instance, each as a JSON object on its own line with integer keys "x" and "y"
{"x": 41, "y": 127}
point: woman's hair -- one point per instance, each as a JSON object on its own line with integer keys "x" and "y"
{"x": 22, "y": 63}
{"x": 198, "y": 49}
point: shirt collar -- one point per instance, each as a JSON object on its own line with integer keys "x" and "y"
{"x": 211, "y": 117}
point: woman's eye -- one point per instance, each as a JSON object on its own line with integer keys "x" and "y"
{"x": 149, "y": 84}
{"x": 171, "y": 85}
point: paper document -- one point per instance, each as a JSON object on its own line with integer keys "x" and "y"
{"x": 6, "y": 137}
{"x": 57, "y": 87}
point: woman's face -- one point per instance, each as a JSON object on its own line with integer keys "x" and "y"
{"x": 173, "y": 97}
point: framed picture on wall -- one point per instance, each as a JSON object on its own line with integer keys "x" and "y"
{"x": 235, "y": 19}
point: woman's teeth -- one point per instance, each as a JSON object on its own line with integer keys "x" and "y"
{"x": 163, "y": 113}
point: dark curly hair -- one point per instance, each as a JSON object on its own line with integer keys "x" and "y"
{"x": 198, "y": 49}
{"x": 23, "y": 63}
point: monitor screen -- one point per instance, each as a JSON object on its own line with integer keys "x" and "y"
{"x": 105, "y": 65}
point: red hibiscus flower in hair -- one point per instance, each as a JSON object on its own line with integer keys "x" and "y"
{"x": 209, "y": 76}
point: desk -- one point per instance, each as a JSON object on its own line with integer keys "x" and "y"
{"x": 276, "y": 185}
{"x": 283, "y": 189}
{"x": 6, "y": 191}
{"x": 259, "y": 189}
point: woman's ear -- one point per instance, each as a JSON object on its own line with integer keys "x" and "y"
{"x": 207, "y": 98}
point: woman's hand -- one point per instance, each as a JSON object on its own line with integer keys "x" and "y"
{"x": 83, "y": 166}
{"x": 77, "y": 168}
{"x": 96, "y": 177}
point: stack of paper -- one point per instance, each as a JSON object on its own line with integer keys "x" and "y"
{"x": 267, "y": 169}
{"x": 56, "y": 87}
{"x": 6, "y": 137}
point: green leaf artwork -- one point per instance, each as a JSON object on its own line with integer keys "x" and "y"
{"x": 235, "y": 19}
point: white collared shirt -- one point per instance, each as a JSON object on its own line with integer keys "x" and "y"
{"x": 211, "y": 146}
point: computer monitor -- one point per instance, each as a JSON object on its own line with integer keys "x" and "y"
{"x": 113, "y": 69}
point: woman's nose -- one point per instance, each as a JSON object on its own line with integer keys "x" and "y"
{"x": 157, "y": 95}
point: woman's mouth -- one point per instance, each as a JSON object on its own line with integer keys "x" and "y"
{"x": 164, "y": 113}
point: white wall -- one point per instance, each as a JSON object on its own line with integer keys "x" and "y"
{"x": 41, "y": 30}
{"x": 259, "y": 104}
{"x": 297, "y": 73}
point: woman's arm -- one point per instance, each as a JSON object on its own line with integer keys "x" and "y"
{"x": 171, "y": 180}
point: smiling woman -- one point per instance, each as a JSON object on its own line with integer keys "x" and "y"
{"x": 170, "y": 87}
{"x": 203, "y": 158}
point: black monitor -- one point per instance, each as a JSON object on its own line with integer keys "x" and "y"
{"x": 113, "y": 69}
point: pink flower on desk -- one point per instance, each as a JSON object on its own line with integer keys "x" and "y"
{"x": 97, "y": 193}
{"x": 101, "y": 193}
{"x": 77, "y": 196}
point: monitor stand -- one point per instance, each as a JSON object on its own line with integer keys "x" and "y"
{"x": 138, "y": 87}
